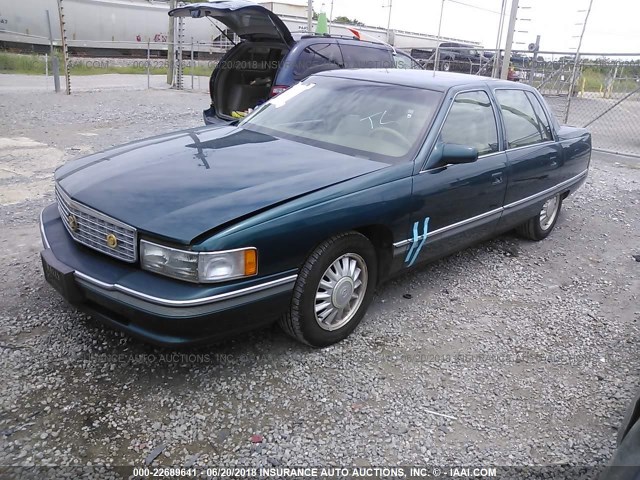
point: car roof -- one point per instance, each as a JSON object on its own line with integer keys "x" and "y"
{"x": 428, "y": 79}
{"x": 300, "y": 37}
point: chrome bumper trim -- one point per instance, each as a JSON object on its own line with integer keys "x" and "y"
{"x": 560, "y": 186}
{"x": 184, "y": 303}
{"x": 43, "y": 235}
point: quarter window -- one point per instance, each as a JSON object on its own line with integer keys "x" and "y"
{"x": 541, "y": 116}
{"x": 471, "y": 122}
{"x": 524, "y": 125}
{"x": 357, "y": 56}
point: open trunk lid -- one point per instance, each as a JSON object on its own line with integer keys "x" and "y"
{"x": 248, "y": 20}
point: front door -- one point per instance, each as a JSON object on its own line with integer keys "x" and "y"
{"x": 459, "y": 204}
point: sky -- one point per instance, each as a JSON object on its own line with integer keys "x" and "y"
{"x": 613, "y": 25}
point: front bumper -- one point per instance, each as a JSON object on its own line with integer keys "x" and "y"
{"x": 150, "y": 307}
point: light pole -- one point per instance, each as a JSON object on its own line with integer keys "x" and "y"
{"x": 310, "y": 16}
{"x": 496, "y": 56}
{"x": 437, "y": 59}
{"x": 389, "y": 21}
{"x": 576, "y": 60}
{"x": 330, "y": 16}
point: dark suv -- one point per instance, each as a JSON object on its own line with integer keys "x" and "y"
{"x": 269, "y": 59}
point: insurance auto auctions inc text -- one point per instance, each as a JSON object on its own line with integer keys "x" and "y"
{"x": 376, "y": 472}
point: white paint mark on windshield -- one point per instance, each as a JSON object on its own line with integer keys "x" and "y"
{"x": 287, "y": 95}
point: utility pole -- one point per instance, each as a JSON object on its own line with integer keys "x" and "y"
{"x": 171, "y": 53}
{"x": 507, "y": 48}
{"x": 55, "y": 66}
{"x": 437, "y": 58}
{"x": 65, "y": 48}
{"x": 310, "y": 16}
{"x": 575, "y": 63}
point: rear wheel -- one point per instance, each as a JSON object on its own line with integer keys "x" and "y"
{"x": 445, "y": 65}
{"x": 333, "y": 290}
{"x": 540, "y": 226}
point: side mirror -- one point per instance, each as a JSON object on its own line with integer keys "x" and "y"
{"x": 455, "y": 154}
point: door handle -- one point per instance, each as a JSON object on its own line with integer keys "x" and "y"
{"x": 496, "y": 178}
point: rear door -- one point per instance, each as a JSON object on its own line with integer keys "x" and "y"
{"x": 246, "y": 19}
{"x": 535, "y": 158}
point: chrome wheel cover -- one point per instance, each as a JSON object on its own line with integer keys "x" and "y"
{"x": 341, "y": 291}
{"x": 549, "y": 212}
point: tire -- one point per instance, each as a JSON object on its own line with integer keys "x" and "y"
{"x": 310, "y": 318}
{"x": 445, "y": 66}
{"x": 539, "y": 227}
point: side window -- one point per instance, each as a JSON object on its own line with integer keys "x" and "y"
{"x": 405, "y": 62}
{"x": 541, "y": 116}
{"x": 401, "y": 62}
{"x": 471, "y": 122}
{"x": 521, "y": 121}
{"x": 316, "y": 58}
{"x": 356, "y": 56}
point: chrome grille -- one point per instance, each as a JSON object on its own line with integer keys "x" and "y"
{"x": 92, "y": 229}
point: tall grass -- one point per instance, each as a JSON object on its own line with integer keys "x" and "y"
{"x": 35, "y": 65}
{"x": 29, "y": 64}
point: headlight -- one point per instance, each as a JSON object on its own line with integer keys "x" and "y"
{"x": 206, "y": 267}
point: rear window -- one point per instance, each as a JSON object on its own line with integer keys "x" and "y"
{"x": 357, "y": 56}
{"x": 382, "y": 122}
{"x": 524, "y": 125}
{"x": 315, "y": 58}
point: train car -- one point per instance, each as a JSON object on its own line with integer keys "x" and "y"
{"x": 123, "y": 27}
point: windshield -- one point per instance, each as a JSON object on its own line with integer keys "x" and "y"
{"x": 373, "y": 120}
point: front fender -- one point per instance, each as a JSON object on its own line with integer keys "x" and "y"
{"x": 285, "y": 235}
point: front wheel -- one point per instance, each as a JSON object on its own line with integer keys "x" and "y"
{"x": 540, "y": 226}
{"x": 333, "y": 290}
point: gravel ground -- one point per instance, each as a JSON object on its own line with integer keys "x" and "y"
{"x": 509, "y": 353}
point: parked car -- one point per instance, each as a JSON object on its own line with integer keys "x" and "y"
{"x": 425, "y": 57}
{"x": 269, "y": 59}
{"x": 513, "y": 74}
{"x": 297, "y": 213}
{"x": 460, "y": 57}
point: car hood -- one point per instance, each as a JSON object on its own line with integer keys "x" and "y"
{"x": 246, "y": 19}
{"x": 183, "y": 185}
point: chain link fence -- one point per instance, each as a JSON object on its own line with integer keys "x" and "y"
{"x": 601, "y": 93}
